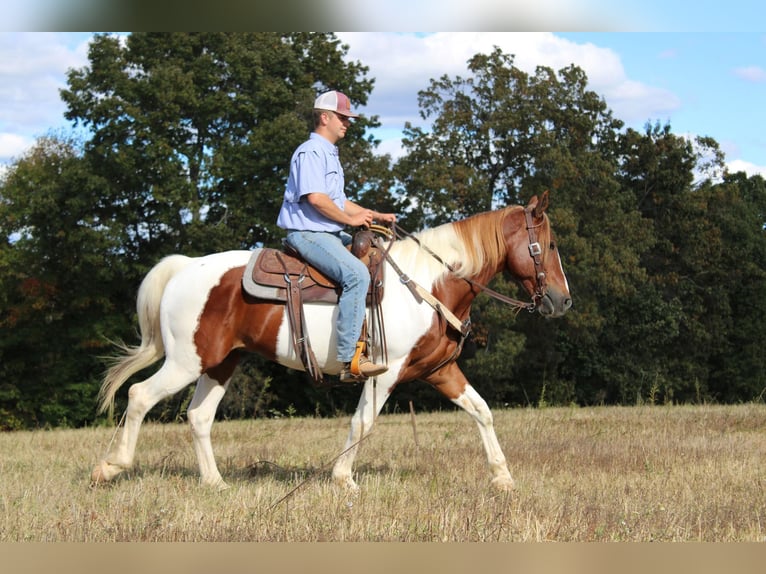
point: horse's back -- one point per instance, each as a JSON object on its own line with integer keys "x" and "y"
{"x": 213, "y": 265}
{"x": 187, "y": 292}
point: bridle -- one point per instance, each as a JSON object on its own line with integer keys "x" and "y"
{"x": 420, "y": 294}
{"x": 535, "y": 252}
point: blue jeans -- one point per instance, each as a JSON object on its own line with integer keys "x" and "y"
{"x": 327, "y": 252}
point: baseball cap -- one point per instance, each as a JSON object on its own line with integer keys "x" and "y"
{"x": 337, "y": 102}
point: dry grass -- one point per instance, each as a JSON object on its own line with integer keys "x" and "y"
{"x": 647, "y": 473}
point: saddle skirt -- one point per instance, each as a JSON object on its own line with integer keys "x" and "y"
{"x": 271, "y": 272}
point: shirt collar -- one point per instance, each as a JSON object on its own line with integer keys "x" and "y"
{"x": 329, "y": 148}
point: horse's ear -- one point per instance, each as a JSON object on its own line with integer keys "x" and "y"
{"x": 541, "y": 206}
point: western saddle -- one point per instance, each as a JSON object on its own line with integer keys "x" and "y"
{"x": 282, "y": 275}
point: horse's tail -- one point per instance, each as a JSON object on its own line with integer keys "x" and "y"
{"x": 133, "y": 359}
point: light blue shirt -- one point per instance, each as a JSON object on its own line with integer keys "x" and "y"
{"x": 314, "y": 168}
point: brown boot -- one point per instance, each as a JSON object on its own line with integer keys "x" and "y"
{"x": 366, "y": 369}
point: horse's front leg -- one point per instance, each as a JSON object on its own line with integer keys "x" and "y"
{"x": 451, "y": 382}
{"x": 374, "y": 395}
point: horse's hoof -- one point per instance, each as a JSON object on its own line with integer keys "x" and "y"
{"x": 104, "y": 472}
{"x": 503, "y": 483}
{"x": 346, "y": 483}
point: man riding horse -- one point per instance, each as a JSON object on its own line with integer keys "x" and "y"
{"x": 315, "y": 211}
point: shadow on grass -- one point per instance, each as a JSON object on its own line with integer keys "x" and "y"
{"x": 170, "y": 468}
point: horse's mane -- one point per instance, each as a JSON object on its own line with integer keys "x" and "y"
{"x": 467, "y": 246}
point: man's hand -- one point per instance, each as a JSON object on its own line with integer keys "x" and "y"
{"x": 384, "y": 217}
{"x": 352, "y": 214}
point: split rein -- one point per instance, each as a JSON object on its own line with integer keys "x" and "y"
{"x": 535, "y": 251}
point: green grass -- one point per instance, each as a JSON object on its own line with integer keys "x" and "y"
{"x": 644, "y": 473}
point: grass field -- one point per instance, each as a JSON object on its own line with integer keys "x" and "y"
{"x": 645, "y": 473}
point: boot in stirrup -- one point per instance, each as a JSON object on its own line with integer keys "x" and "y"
{"x": 361, "y": 367}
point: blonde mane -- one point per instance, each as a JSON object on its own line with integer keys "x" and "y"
{"x": 468, "y": 246}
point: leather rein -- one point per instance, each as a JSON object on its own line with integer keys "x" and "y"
{"x": 535, "y": 251}
{"x": 420, "y": 294}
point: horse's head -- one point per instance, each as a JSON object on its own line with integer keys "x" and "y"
{"x": 533, "y": 258}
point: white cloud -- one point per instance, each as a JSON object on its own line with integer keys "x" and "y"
{"x": 32, "y": 70}
{"x": 403, "y": 64}
{"x": 749, "y": 168}
{"x": 392, "y": 147}
{"x": 12, "y": 144}
{"x": 751, "y": 74}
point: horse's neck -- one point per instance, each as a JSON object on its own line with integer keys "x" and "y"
{"x": 458, "y": 293}
{"x": 420, "y": 263}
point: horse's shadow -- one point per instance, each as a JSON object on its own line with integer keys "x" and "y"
{"x": 260, "y": 469}
{"x": 290, "y": 474}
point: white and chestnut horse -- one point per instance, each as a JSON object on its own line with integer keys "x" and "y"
{"x": 194, "y": 312}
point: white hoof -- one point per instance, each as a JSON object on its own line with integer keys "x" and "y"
{"x": 503, "y": 483}
{"x": 347, "y": 483}
{"x": 104, "y": 472}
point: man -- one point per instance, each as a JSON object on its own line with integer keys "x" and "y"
{"x": 315, "y": 212}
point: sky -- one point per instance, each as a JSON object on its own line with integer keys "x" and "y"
{"x": 701, "y": 82}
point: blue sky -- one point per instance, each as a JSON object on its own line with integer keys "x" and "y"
{"x": 702, "y": 83}
{"x": 718, "y": 78}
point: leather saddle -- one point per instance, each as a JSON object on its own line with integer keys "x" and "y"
{"x": 270, "y": 273}
{"x": 282, "y": 275}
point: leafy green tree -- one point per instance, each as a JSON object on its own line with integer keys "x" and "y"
{"x": 736, "y": 362}
{"x": 188, "y": 141}
{"x": 194, "y": 131}
{"x": 500, "y": 136}
{"x": 698, "y": 226}
{"x": 58, "y": 292}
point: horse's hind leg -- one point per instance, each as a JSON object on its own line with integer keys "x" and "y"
{"x": 170, "y": 379}
{"x": 201, "y": 414}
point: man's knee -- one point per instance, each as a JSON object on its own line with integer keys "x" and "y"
{"x": 358, "y": 277}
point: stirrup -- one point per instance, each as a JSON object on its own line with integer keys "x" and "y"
{"x": 346, "y": 376}
{"x": 361, "y": 367}
{"x": 357, "y": 359}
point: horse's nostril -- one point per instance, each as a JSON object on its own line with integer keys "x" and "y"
{"x": 567, "y": 303}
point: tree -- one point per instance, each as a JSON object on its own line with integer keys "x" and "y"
{"x": 188, "y": 141}
{"x": 194, "y": 131}
{"x": 700, "y": 228}
{"x": 58, "y": 294}
{"x": 736, "y": 361}
{"x": 499, "y": 137}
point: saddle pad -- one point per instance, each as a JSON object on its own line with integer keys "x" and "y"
{"x": 251, "y": 287}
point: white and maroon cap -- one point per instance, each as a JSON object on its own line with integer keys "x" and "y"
{"x": 335, "y": 102}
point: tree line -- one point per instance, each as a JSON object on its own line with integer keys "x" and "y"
{"x": 186, "y": 149}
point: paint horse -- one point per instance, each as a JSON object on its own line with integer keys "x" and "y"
{"x": 195, "y": 313}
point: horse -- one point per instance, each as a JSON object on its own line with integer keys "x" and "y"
{"x": 195, "y": 313}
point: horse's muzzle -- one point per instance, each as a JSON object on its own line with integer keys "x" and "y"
{"x": 553, "y": 304}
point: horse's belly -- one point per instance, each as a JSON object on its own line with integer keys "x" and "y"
{"x": 403, "y": 327}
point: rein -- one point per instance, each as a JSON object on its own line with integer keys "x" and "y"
{"x": 420, "y": 294}
{"x": 535, "y": 251}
